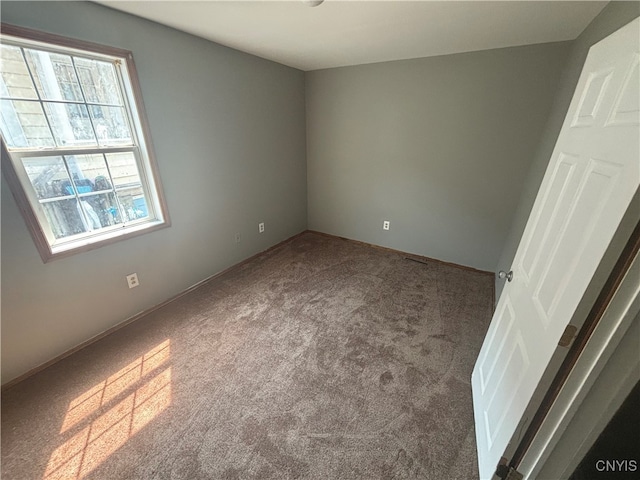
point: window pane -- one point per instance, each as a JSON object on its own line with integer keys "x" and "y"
{"x": 70, "y": 124}
{"x": 134, "y": 203}
{"x": 98, "y": 80}
{"x": 15, "y": 81}
{"x": 23, "y": 124}
{"x": 64, "y": 217}
{"x": 124, "y": 169}
{"x": 48, "y": 176}
{"x": 54, "y": 75}
{"x": 87, "y": 170}
{"x": 111, "y": 125}
{"x": 101, "y": 210}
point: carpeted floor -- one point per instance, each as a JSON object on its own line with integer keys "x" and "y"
{"x": 322, "y": 359}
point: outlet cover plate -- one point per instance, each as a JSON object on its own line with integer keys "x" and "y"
{"x": 132, "y": 280}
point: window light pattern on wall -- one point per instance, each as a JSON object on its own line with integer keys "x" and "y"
{"x": 74, "y": 135}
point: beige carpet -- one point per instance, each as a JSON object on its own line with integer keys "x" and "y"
{"x": 322, "y": 359}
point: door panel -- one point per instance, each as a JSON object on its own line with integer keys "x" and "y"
{"x": 627, "y": 106}
{"x": 590, "y": 200}
{"x": 563, "y": 183}
{"x": 591, "y": 178}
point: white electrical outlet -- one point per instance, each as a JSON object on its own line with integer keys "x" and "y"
{"x": 261, "y": 227}
{"x": 238, "y": 238}
{"x": 132, "y": 280}
{"x": 385, "y": 225}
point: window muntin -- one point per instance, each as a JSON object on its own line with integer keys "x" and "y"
{"x": 75, "y": 141}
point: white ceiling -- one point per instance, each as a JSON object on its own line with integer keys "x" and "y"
{"x": 340, "y": 32}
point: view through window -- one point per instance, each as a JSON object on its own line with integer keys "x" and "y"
{"x": 74, "y": 135}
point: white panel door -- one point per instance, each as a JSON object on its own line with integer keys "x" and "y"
{"x": 592, "y": 176}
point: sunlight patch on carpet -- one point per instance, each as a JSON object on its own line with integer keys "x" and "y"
{"x": 103, "y": 418}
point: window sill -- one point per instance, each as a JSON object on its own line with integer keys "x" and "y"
{"x": 67, "y": 249}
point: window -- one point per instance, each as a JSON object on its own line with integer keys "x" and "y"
{"x": 75, "y": 146}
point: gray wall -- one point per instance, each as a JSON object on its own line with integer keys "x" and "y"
{"x": 438, "y": 146}
{"x": 229, "y": 135}
{"x": 612, "y": 17}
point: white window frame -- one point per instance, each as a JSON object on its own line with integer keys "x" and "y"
{"x": 14, "y": 172}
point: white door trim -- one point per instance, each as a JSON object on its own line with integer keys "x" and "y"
{"x": 603, "y": 376}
